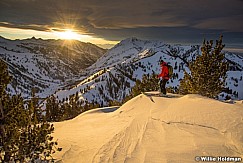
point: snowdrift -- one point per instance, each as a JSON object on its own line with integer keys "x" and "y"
{"x": 163, "y": 130}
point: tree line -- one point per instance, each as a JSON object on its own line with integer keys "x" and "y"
{"x": 25, "y": 133}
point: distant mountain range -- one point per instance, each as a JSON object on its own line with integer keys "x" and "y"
{"x": 114, "y": 74}
{"x": 97, "y": 75}
{"x": 45, "y": 65}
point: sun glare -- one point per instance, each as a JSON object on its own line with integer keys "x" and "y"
{"x": 68, "y": 35}
{"x": 55, "y": 33}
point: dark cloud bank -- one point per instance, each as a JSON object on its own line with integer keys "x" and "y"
{"x": 185, "y": 21}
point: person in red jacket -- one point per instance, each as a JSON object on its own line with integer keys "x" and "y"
{"x": 164, "y": 75}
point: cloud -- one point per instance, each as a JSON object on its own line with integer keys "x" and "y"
{"x": 29, "y": 26}
{"x": 231, "y": 24}
{"x": 116, "y": 19}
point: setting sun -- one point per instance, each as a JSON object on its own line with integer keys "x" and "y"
{"x": 68, "y": 35}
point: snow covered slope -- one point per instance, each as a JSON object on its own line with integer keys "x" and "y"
{"x": 167, "y": 130}
{"x": 115, "y": 73}
{"x": 45, "y": 64}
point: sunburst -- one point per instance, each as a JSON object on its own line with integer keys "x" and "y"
{"x": 68, "y": 34}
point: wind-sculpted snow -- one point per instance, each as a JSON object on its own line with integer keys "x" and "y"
{"x": 167, "y": 130}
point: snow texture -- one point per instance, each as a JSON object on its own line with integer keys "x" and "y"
{"x": 167, "y": 130}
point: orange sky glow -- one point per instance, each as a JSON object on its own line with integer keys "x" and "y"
{"x": 66, "y": 34}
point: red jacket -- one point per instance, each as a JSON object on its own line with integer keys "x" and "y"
{"x": 164, "y": 71}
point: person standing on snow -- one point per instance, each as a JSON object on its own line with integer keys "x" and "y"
{"x": 164, "y": 75}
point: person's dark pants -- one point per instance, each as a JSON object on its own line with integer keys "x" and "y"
{"x": 162, "y": 84}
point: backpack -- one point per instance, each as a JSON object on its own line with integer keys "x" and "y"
{"x": 170, "y": 68}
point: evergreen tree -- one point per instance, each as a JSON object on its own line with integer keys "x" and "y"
{"x": 22, "y": 139}
{"x": 34, "y": 110}
{"x": 54, "y": 112}
{"x": 148, "y": 83}
{"x": 208, "y": 71}
{"x": 75, "y": 109}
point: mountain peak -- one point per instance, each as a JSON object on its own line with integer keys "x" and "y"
{"x": 47, "y": 62}
{"x": 130, "y": 39}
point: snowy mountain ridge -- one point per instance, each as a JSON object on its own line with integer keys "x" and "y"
{"x": 114, "y": 74}
{"x": 45, "y": 65}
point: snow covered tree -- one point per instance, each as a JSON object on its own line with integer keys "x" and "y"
{"x": 207, "y": 73}
{"x": 22, "y": 139}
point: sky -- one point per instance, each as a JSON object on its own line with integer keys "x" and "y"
{"x": 109, "y": 21}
